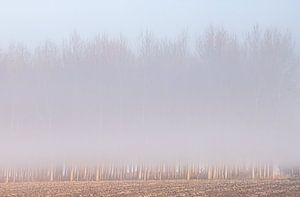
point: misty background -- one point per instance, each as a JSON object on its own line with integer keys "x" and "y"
{"x": 141, "y": 81}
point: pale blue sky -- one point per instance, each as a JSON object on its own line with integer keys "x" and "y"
{"x": 32, "y": 21}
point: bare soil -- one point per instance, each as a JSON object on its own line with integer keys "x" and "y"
{"x": 215, "y": 188}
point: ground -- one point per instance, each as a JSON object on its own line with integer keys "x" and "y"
{"x": 270, "y": 188}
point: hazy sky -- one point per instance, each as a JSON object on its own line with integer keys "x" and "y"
{"x": 160, "y": 111}
{"x": 33, "y": 21}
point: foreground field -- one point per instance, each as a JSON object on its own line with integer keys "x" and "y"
{"x": 154, "y": 188}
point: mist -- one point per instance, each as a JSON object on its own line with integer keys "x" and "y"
{"x": 213, "y": 98}
{"x": 137, "y": 81}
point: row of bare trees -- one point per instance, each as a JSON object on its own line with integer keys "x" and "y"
{"x": 146, "y": 172}
{"x": 215, "y": 45}
{"x": 182, "y": 86}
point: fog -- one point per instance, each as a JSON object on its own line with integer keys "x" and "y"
{"x": 91, "y": 89}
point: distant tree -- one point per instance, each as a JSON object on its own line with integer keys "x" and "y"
{"x": 217, "y": 46}
{"x": 17, "y": 57}
{"x": 47, "y": 55}
{"x": 271, "y": 62}
{"x": 73, "y": 50}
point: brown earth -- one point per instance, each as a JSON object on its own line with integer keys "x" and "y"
{"x": 270, "y": 188}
